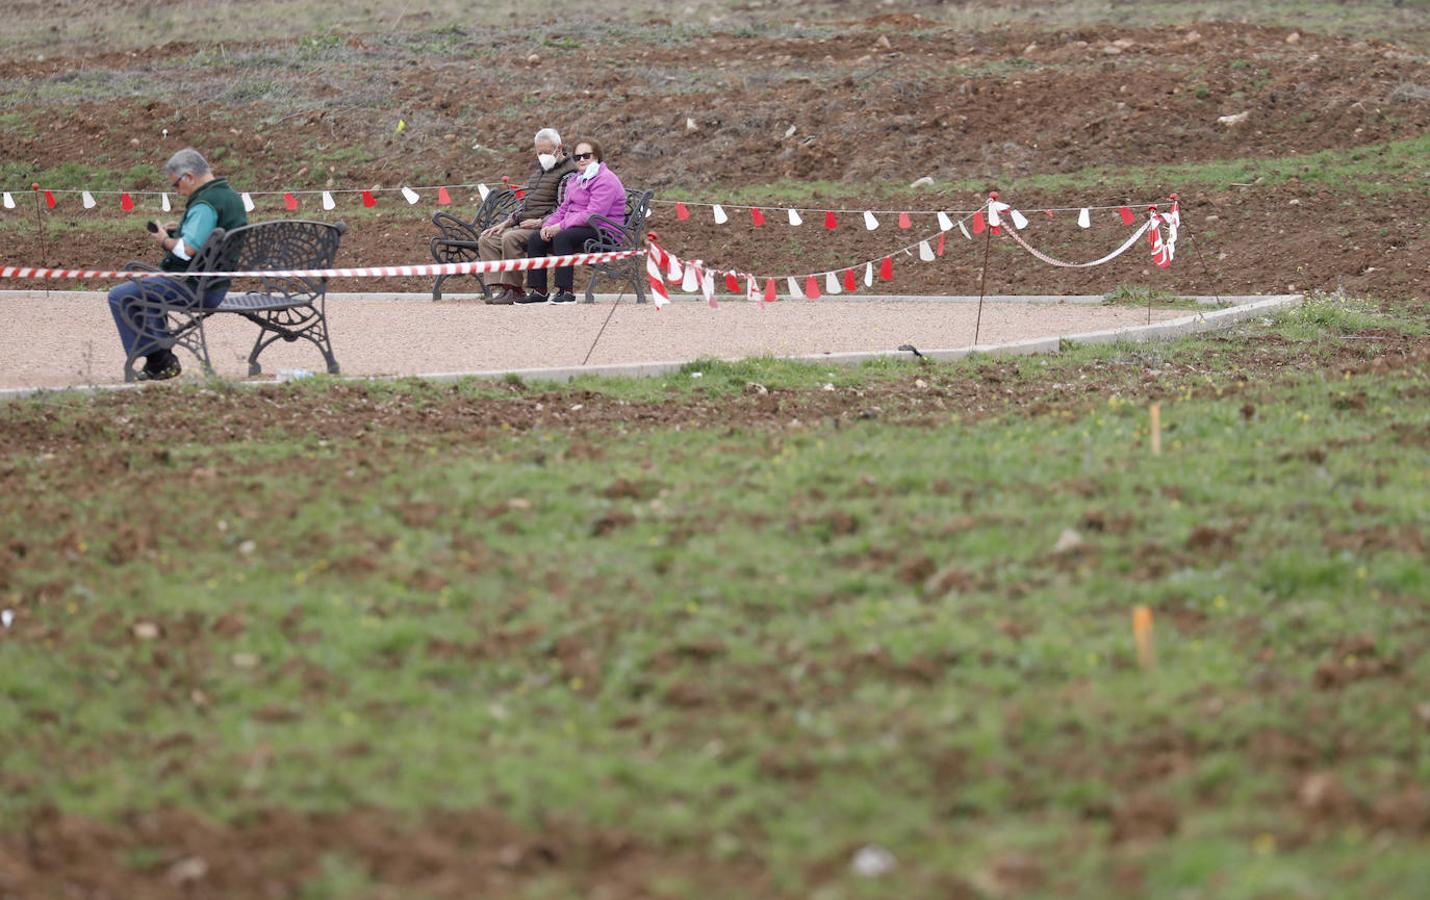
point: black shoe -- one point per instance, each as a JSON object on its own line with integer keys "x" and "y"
{"x": 564, "y": 297}
{"x": 503, "y": 295}
{"x": 532, "y": 297}
{"x": 166, "y": 367}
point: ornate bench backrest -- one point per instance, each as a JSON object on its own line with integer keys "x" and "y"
{"x": 285, "y": 244}
{"x": 497, "y": 206}
{"x": 637, "y": 209}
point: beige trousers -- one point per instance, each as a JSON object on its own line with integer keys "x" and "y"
{"x": 510, "y": 244}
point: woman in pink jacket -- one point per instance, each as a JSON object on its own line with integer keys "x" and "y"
{"x": 596, "y": 191}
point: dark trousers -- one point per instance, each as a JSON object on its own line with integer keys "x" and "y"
{"x": 567, "y": 240}
{"x": 149, "y": 334}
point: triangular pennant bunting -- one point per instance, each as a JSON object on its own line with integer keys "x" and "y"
{"x": 50, "y": 199}
{"x": 831, "y": 283}
{"x": 925, "y": 251}
{"x": 247, "y": 202}
{"x": 719, "y": 212}
{"x": 443, "y": 198}
{"x": 794, "y": 218}
{"x": 368, "y": 199}
{"x": 939, "y": 250}
{"x": 329, "y": 203}
{"x": 164, "y": 203}
{"x": 979, "y": 223}
{"x": 1020, "y": 221}
{"x": 1126, "y": 214}
{"x": 707, "y": 287}
{"x": 811, "y": 288}
{"x": 905, "y": 221}
{"x": 756, "y": 216}
{"x": 849, "y": 283}
{"x": 770, "y": 290}
{"x": 869, "y": 221}
{"x": 681, "y": 212}
{"x": 868, "y": 274}
{"x": 994, "y": 220}
{"x": 87, "y": 199}
{"x": 483, "y": 191}
{"x": 944, "y": 222}
{"x": 794, "y": 292}
{"x": 8, "y": 201}
{"x": 886, "y": 268}
{"x": 830, "y": 222}
{"x": 732, "y": 285}
{"x": 126, "y": 202}
{"x": 290, "y": 202}
{"x": 964, "y": 228}
{"x": 691, "y": 282}
{"x": 410, "y": 195}
{"x": 1084, "y": 219}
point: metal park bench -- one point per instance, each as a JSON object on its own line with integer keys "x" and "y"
{"x": 612, "y": 238}
{"x": 282, "y": 306}
{"x": 456, "y": 239}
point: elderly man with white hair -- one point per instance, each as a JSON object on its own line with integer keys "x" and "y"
{"x": 544, "y": 191}
{"x": 211, "y": 204}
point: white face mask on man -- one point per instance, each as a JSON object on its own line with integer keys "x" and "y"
{"x": 547, "y": 161}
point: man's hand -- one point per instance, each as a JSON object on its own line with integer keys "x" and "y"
{"x": 160, "y": 236}
{"x": 496, "y": 229}
{"x": 530, "y": 223}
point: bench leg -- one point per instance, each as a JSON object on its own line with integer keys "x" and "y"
{"x": 437, "y": 287}
{"x": 315, "y": 333}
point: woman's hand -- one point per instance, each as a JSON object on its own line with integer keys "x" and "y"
{"x": 549, "y": 231}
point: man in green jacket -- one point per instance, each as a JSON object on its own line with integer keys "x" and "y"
{"x": 211, "y": 204}
{"x": 544, "y": 190}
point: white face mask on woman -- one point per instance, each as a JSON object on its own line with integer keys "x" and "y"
{"x": 592, "y": 169}
{"x": 547, "y": 161}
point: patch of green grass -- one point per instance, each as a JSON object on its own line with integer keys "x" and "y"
{"x": 1137, "y": 295}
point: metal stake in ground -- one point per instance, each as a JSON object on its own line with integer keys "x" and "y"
{"x": 983, "y": 272}
{"x": 592, "y": 349}
{"x": 40, "y": 231}
{"x": 1197, "y": 246}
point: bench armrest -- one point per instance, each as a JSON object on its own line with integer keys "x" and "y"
{"x": 610, "y": 236}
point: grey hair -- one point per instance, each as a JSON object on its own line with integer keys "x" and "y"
{"x": 548, "y": 134}
{"x": 187, "y": 160}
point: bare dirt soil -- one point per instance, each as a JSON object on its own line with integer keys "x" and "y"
{"x": 864, "y": 110}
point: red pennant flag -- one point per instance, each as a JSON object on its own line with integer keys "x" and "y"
{"x": 904, "y": 221}
{"x": 849, "y": 283}
{"x": 368, "y": 199}
{"x": 978, "y": 222}
{"x": 290, "y": 202}
{"x": 732, "y": 284}
{"x": 520, "y": 194}
{"x": 126, "y": 202}
{"x": 49, "y": 200}
{"x": 830, "y": 222}
{"x": 939, "y": 249}
{"x": 1049, "y": 212}
{"x": 1126, "y": 215}
{"x": 811, "y": 288}
{"x": 997, "y": 230}
{"x": 443, "y": 198}
{"x": 681, "y": 212}
{"x": 756, "y": 216}
{"x": 770, "y": 290}
{"x": 886, "y": 269}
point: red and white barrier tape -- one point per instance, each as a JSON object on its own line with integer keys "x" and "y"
{"x": 459, "y": 268}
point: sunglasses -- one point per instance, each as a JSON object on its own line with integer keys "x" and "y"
{"x": 175, "y": 182}
{"x": 582, "y": 155}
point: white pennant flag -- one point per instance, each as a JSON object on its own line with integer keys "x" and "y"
{"x": 964, "y": 228}
{"x": 1020, "y": 221}
{"x": 926, "y": 252}
{"x": 88, "y": 199}
{"x": 868, "y": 274}
{"x": 869, "y": 221}
{"x": 1084, "y": 219}
{"x": 794, "y": 292}
{"x": 751, "y": 292}
{"x": 944, "y": 223}
{"x": 409, "y": 195}
{"x": 720, "y": 217}
{"x": 673, "y": 271}
{"x": 328, "y": 202}
{"x": 247, "y": 202}
{"x": 831, "y": 283}
{"x": 164, "y": 203}
{"x": 794, "y": 218}
{"x": 9, "y": 201}
{"x": 483, "y": 190}
{"x": 691, "y": 282}
{"x": 993, "y": 219}
{"x": 707, "y": 287}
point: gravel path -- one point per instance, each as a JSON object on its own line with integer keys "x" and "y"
{"x": 69, "y": 338}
